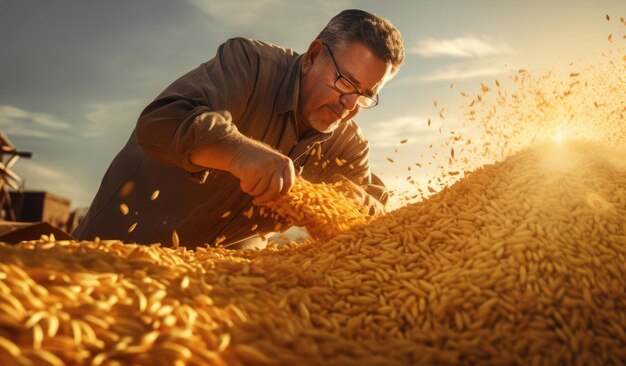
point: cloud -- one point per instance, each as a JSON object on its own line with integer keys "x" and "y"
{"x": 453, "y": 73}
{"x": 389, "y": 133}
{"x": 239, "y": 12}
{"x": 457, "y": 47}
{"x": 456, "y": 73}
{"x": 107, "y": 119}
{"x": 19, "y": 122}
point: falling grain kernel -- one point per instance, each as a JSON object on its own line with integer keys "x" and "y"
{"x": 390, "y": 160}
{"x": 608, "y": 17}
{"x": 219, "y": 240}
{"x": 610, "y": 38}
{"x": 175, "y": 240}
{"x": 155, "y": 195}
{"x": 428, "y": 121}
{"x": 127, "y": 188}
{"x": 452, "y": 152}
{"x": 404, "y": 141}
{"x": 124, "y": 209}
{"x": 249, "y": 213}
{"x": 324, "y": 164}
{"x": 338, "y": 162}
{"x": 435, "y": 103}
{"x": 225, "y": 214}
{"x": 253, "y": 227}
{"x": 132, "y": 227}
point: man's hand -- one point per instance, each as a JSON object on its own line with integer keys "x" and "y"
{"x": 263, "y": 172}
{"x": 349, "y": 189}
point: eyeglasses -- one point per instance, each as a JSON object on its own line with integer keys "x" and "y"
{"x": 345, "y": 86}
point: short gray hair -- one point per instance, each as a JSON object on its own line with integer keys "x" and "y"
{"x": 376, "y": 32}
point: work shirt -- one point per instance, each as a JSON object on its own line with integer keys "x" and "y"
{"x": 251, "y": 87}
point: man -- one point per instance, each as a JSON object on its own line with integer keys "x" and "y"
{"x": 237, "y": 130}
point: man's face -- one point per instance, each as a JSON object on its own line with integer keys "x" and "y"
{"x": 321, "y": 105}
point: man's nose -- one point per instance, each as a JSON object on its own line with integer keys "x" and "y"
{"x": 349, "y": 101}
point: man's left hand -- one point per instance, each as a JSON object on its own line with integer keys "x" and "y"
{"x": 350, "y": 189}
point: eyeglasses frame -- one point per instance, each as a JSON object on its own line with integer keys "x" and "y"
{"x": 339, "y": 76}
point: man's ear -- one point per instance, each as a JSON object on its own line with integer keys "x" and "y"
{"x": 312, "y": 56}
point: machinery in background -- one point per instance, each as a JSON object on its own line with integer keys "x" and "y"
{"x": 22, "y": 210}
{"x": 8, "y": 179}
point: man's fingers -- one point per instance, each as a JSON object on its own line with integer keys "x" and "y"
{"x": 289, "y": 176}
{"x": 273, "y": 189}
{"x": 349, "y": 188}
{"x": 269, "y": 175}
{"x": 262, "y": 185}
{"x": 249, "y": 184}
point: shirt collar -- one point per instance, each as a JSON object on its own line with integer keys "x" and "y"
{"x": 290, "y": 89}
{"x": 289, "y": 95}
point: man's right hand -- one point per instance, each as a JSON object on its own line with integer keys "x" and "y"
{"x": 263, "y": 172}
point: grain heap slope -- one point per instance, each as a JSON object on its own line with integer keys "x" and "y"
{"x": 520, "y": 262}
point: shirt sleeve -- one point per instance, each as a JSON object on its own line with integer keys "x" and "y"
{"x": 199, "y": 108}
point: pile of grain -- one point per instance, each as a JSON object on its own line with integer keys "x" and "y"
{"x": 320, "y": 207}
{"x": 521, "y": 262}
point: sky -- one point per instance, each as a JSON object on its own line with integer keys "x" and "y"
{"x": 74, "y": 75}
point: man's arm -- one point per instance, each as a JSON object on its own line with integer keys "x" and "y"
{"x": 192, "y": 124}
{"x": 170, "y": 127}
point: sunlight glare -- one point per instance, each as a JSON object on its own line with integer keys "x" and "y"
{"x": 558, "y": 136}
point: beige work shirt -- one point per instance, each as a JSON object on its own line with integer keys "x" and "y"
{"x": 251, "y": 87}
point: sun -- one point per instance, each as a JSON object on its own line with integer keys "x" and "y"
{"x": 558, "y": 137}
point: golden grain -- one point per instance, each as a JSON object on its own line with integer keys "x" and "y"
{"x": 154, "y": 195}
{"x": 175, "y": 239}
